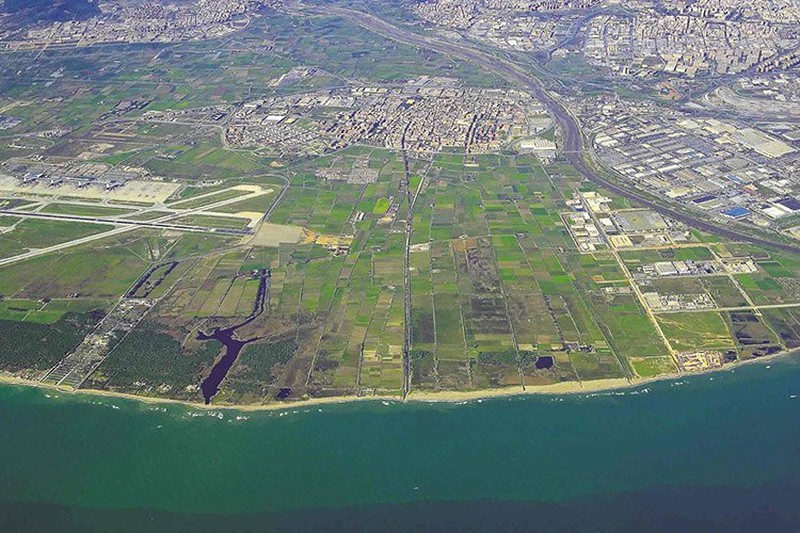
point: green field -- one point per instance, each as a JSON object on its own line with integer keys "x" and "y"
{"x": 496, "y": 294}
{"x": 209, "y": 221}
{"x": 84, "y": 210}
{"x": 696, "y": 331}
{"x": 31, "y": 234}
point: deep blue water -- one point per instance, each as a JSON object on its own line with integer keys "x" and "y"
{"x": 716, "y": 451}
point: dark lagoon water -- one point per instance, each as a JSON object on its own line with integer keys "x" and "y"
{"x": 233, "y": 346}
{"x": 716, "y": 451}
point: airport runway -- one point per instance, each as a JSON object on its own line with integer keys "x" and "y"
{"x": 124, "y": 222}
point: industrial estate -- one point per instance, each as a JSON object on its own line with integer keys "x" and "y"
{"x": 266, "y": 202}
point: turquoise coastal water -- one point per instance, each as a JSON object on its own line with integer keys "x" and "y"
{"x": 712, "y": 450}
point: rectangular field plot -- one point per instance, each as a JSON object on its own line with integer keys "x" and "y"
{"x": 213, "y": 197}
{"x": 84, "y": 210}
{"x": 786, "y": 323}
{"x": 211, "y": 286}
{"x": 647, "y": 367}
{"x": 724, "y": 292}
{"x": 361, "y": 346}
{"x": 753, "y": 335}
{"x": 764, "y": 289}
{"x": 627, "y": 328}
{"x": 696, "y": 331}
{"x": 34, "y": 233}
{"x": 598, "y": 365}
{"x": 383, "y": 344}
{"x": 107, "y": 273}
{"x": 450, "y": 343}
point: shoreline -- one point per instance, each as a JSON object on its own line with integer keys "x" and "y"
{"x": 429, "y": 397}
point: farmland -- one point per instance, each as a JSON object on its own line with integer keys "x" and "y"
{"x": 352, "y": 270}
{"x": 499, "y": 295}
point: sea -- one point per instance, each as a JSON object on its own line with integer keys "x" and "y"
{"x": 707, "y": 452}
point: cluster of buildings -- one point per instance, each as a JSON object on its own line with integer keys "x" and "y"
{"x": 194, "y": 116}
{"x": 526, "y": 33}
{"x": 420, "y": 119}
{"x": 775, "y": 11}
{"x": 516, "y": 25}
{"x": 258, "y": 124}
{"x": 587, "y": 235}
{"x": 699, "y": 361}
{"x": 653, "y": 41}
{"x": 461, "y": 14}
{"x": 723, "y": 168}
{"x": 148, "y": 22}
{"x": 6, "y": 122}
{"x": 35, "y": 174}
{"x": 698, "y": 268}
{"x": 360, "y": 173}
{"x": 637, "y": 38}
{"x": 80, "y": 363}
{"x": 594, "y": 225}
{"x": 83, "y": 179}
{"x": 521, "y": 32}
{"x": 768, "y": 96}
{"x": 678, "y": 302}
{"x": 778, "y": 88}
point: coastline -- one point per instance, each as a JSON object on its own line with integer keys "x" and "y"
{"x": 446, "y": 397}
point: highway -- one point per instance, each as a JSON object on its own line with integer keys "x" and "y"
{"x": 572, "y": 139}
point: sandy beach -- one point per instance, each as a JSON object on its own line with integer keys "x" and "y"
{"x": 567, "y": 387}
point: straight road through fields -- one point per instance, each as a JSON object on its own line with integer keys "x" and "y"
{"x": 572, "y": 139}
